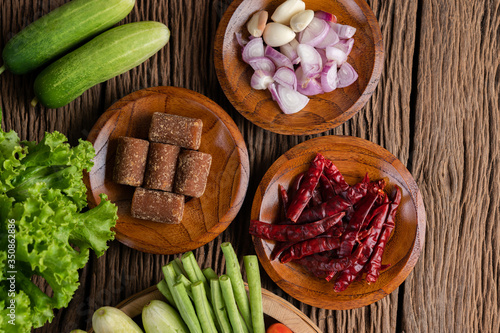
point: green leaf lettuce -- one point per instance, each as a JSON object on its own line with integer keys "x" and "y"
{"x": 41, "y": 189}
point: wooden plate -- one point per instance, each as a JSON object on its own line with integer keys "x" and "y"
{"x": 354, "y": 157}
{"x": 205, "y": 217}
{"x": 274, "y": 307}
{"x": 324, "y": 111}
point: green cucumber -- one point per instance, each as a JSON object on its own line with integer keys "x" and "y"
{"x": 61, "y": 30}
{"x": 110, "y": 54}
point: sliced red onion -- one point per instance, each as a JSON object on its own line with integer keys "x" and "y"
{"x": 329, "y": 77}
{"x": 279, "y": 59}
{"x": 345, "y": 45}
{"x": 254, "y": 49}
{"x": 313, "y": 87}
{"x": 325, "y": 16}
{"x": 315, "y": 32}
{"x": 322, "y": 53}
{"x": 336, "y": 54}
{"x": 290, "y": 50}
{"x": 286, "y": 77}
{"x": 344, "y": 31}
{"x": 346, "y": 75}
{"x": 310, "y": 60}
{"x": 289, "y": 100}
{"x": 261, "y": 80}
{"x": 239, "y": 38}
{"x": 302, "y": 79}
{"x": 331, "y": 38}
{"x": 262, "y": 63}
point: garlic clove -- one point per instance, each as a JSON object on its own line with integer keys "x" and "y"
{"x": 286, "y": 10}
{"x": 257, "y": 23}
{"x": 301, "y": 20}
{"x": 277, "y": 34}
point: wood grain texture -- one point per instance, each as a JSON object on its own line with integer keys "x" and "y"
{"x": 436, "y": 108}
{"x": 355, "y": 158}
{"x": 456, "y": 164}
{"x": 322, "y": 112}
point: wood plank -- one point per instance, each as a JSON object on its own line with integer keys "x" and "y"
{"x": 455, "y": 285}
{"x": 187, "y": 61}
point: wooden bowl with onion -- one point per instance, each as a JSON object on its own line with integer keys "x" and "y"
{"x": 354, "y": 157}
{"x": 275, "y": 309}
{"x": 324, "y": 111}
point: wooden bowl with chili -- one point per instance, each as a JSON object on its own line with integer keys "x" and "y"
{"x": 355, "y": 158}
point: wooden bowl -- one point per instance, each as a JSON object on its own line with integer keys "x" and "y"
{"x": 324, "y": 111}
{"x": 204, "y": 217}
{"x": 354, "y": 157}
{"x": 275, "y": 307}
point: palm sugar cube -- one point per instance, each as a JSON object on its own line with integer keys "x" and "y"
{"x": 160, "y": 171}
{"x": 176, "y": 130}
{"x": 192, "y": 172}
{"x": 130, "y": 161}
{"x": 158, "y": 206}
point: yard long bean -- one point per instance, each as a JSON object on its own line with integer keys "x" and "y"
{"x": 181, "y": 299}
{"x": 203, "y": 307}
{"x": 237, "y": 323}
{"x": 255, "y": 292}
{"x": 163, "y": 288}
{"x": 219, "y": 306}
{"x": 233, "y": 271}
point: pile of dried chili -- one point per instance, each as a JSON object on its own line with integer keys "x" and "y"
{"x": 336, "y": 231}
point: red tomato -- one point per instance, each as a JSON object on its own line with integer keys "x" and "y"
{"x": 278, "y": 328}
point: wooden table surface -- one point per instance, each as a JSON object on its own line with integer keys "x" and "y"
{"x": 436, "y": 108}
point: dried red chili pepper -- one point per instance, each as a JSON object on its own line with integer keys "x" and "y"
{"x": 350, "y": 235}
{"x": 316, "y": 198}
{"x": 293, "y": 233}
{"x": 304, "y": 193}
{"x": 349, "y": 274}
{"x": 284, "y": 201}
{"x": 334, "y": 264}
{"x": 294, "y": 187}
{"x": 355, "y": 193}
{"x": 355, "y": 269}
{"x": 279, "y": 247}
{"x": 312, "y": 267}
{"x": 335, "y": 177}
{"x": 310, "y": 246}
{"x": 327, "y": 191}
{"x": 331, "y": 207}
{"x": 335, "y": 231}
{"x": 363, "y": 234}
{"x": 375, "y": 263}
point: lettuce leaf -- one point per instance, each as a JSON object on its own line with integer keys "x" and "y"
{"x": 42, "y": 190}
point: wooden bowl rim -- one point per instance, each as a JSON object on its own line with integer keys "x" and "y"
{"x": 239, "y": 144}
{"x": 416, "y": 248}
{"x": 306, "y": 130}
{"x": 277, "y": 312}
